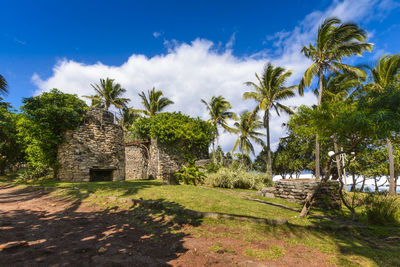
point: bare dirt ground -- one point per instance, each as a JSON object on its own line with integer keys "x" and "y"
{"x": 38, "y": 229}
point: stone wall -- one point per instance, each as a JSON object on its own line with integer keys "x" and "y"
{"x": 296, "y": 191}
{"x": 97, "y": 145}
{"x": 151, "y": 160}
{"x": 136, "y": 160}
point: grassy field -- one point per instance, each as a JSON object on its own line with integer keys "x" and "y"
{"x": 349, "y": 246}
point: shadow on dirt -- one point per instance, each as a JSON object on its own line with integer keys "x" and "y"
{"x": 137, "y": 237}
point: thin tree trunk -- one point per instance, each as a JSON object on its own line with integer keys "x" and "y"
{"x": 392, "y": 189}
{"x": 310, "y": 196}
{"x": 338, "y": 167}
{"x": 363, "y": 184}
{"x": 269, "y": 163}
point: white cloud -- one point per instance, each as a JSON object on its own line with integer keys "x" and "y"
{"x": 191, "y": 71}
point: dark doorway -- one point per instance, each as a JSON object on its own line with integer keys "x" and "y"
{"x": 98, "y": 175}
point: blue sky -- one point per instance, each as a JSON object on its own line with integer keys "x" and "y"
{"x": 189, "y": 49}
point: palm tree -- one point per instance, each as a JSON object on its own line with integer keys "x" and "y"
{"x": 246, "y": 129}
{"x": 218, "y": 109}
{"x": 3, "y": 85}
{"x": 269, "y": 90}
{"x": 338, "y": 87}
{"x": 107, "y": 94}
{"x": 128, "y": 117}
{"x": 335, "y": 41}
{"x": 384, "y": 75}
{"x": 154, "y": 102}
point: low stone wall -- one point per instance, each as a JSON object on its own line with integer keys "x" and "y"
{"x": 297, "y": 190}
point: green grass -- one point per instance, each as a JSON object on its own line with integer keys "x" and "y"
{"x": 273, "y": 253}
{"x": 187, "y": 196}
{"x": 345, "y": 247}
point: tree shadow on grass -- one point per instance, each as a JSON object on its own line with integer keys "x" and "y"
{"x": 345, "y": 242}
{"x": 80, "y": 236}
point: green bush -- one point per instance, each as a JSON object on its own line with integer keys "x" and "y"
{"x": 190, "y": 175}
{"x": 382, "y": 209}
{"x": 185, "y": 136}
{"x": 238, "y": 178}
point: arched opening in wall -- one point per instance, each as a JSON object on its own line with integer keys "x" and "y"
{"x": 101, "y": 175}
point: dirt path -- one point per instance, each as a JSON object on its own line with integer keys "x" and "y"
{"x": 38, "y": 229}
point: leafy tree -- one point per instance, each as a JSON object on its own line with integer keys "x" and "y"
{"x": 154, "y": 102}
{"x": 385, "y": 78}
{"x": 10, "y": 148}
{"x": 246, "y": 129}
{"x": 269, "y": 90}
{"x": 334, "y": 42}
{"x": 3, "y": 85}
{"x": 184, "y": 136}
{"x": 44, "y": 120}
{"x": 293, "y": 155}
{"x": 128, "y": 117}
{"x": 218, "y": 109}
{"x": 108, "y": 93}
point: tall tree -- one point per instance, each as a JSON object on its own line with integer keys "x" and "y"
{"x": 127, "y": 117}
{"x": 219, "y": 110}
{"x": 338, "y": 87}
{"x": 269, "y": 90}
{"x": 107, "y": 94}
{"x": 335, "y": 41}
{"x": 3, "y": 85}
{"x": 246, "y": 129}
{"x": 154, "y": 102}
{"x": 385, "y": 75}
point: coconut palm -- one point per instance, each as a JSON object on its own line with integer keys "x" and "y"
{"x": 338, "y": 86}
{"x": 107, "y": 94}
{"x": 246, "y": 129}
{"x": 128, "y": 117}
{"x": 267, "y": 92}
{"x": 3, "y": 85}
{"x": 218, "y": 109}
{"x": 335, "y": 41}
{"x": 384, "y": 75}
{"x": 154, "y": 102}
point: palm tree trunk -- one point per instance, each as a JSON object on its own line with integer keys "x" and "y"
{"x": 310, "y": 196}
{"x": 392, "y": 189}
{"x": 317, "y": 164}
{"x": 269, "y": 163}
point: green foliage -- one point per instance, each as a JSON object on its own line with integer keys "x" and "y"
{"x": 219, "y": 110}
{"x": 10, "y": 147}
{"x": 190, "y": 175}
{"x": 154, "y": 102}
{"x": 43, "y": 122}
{"x": 246, "y": 129}
{"x": 235, "y": 177}
{"x": 382, "y": 209}
{"x": 185, "y": 136}
{"x": 107, "y": 94}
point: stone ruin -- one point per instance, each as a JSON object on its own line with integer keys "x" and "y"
{"x": 150, "y": 159}
{"x": 296, "y": 190}
{"x": 94, "y": 151}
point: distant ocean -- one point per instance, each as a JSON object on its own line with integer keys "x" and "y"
{"x": 369, "y": 184}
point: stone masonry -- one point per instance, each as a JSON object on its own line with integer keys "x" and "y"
{"x": 150, "y": 160}
{"x": 296, "y": 190}
{"x": 95, "y": 150}
{"x": 136, "y": 156}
